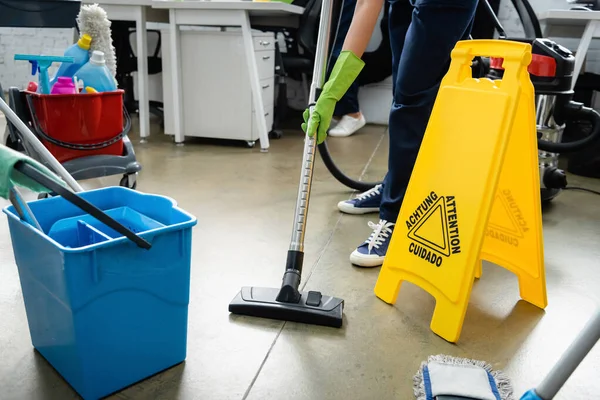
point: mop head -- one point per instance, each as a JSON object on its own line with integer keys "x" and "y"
{"x": 445, "y": 377}
{"x": 92, "y": 19}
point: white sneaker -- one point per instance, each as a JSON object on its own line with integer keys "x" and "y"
{"x": 347, "y": 126}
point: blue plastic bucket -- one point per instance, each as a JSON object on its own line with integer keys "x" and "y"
{"x": 104, "y": 312}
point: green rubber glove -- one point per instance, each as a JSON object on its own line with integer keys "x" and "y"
{"x": 10, "y": 177}
{"x": 344, "y": 73}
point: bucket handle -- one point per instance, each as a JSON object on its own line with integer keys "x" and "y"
{"x": 78, "y": 201}
{"x": 78, "y": 146}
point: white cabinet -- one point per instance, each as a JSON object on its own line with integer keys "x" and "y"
{"x": 217, "y": 94}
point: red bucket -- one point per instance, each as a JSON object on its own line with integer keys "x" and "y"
{"x": 79, "y": 125}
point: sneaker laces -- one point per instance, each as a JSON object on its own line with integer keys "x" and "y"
{"x": 375, "y": 191}
{"x": 381, "y": 233}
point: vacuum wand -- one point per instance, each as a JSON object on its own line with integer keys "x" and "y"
{"x": 310, "y": 143}
{"x": 293, "y": 269}
{"x": 288, "y": 303}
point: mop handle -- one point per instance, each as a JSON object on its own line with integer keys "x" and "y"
{"x": 22, "y": 208}
{"x": 39, "y": 147}
{"x": 570, "y": 360}
{"x": 310, "y": 142}
{"x": 83, "y": 204}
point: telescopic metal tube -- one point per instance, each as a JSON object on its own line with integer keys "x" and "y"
{"x": 310, "y": 143}
{"x": 570, "y": 360}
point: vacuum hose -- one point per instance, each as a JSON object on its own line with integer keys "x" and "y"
{"x": 574, "y": 111}
{"x": 339, "y": 175}
{"x": 338, "y": 6}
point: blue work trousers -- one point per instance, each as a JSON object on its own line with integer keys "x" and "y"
{"x": 348, "y": 104}
{"x": 422, "y": 35}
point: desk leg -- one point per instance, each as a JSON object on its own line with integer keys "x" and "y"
{"x": 142, "y": 65}
{"x": 582, "y": 49}
{"x": 255, "y": 83}
{"x": 176, "y": 77}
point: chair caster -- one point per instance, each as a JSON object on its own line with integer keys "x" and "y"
{"x": 275, "y": 134}
{"x": 129, "y": 181}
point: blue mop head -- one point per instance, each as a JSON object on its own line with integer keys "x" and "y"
{"x": 444, "y": 377}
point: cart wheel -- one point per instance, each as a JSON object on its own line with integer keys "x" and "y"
{"x": 275, "y": 134}
{"x": 43, "y": 196}
{"x": 129, "y": 181}
{"x": 251, "y": 143}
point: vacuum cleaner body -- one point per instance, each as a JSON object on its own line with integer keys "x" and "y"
{"x": 551, "y": 71}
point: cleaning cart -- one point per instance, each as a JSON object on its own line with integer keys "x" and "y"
{"x": 86, "y": 134}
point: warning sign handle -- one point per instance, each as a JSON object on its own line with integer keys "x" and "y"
{"x": 516, "y": 55}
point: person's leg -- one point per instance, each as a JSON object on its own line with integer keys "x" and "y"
{"x": 347, "y": 112}
{"x": 435, "y": 28}
{"x": 398, "y": 22}
{"x": 348, "y": 103}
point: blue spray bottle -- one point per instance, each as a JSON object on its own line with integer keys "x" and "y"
{"x": 41, "y": 64}
{"x": 80, "y": 53}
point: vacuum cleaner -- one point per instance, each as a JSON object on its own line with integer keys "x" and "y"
{"x": 288, "y": 302}
{"x": 551, "y": 72}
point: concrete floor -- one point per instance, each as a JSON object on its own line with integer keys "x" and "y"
{"x": 244, "y": 202}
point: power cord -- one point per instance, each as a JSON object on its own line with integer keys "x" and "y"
{"x": 555, "y": 178}
{"x": 582, "y": 189}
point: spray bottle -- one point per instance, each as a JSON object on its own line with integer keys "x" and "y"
{"x": 41, "y": 64}
{"x": 80, "y": 53}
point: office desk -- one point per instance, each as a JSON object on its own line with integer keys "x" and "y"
{"x": 138, "y": 11}
{"x": 232, "y": 13}
{"x": 573, "y": 24}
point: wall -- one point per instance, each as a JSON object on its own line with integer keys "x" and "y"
{"x": 28, "y": 41}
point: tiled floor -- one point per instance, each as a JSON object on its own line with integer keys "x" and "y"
{"x": 244, "y": 202}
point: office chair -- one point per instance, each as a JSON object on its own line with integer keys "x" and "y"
{"x": 299, "y": 58}
{"x": 122, "y": 32}
{"x": 296, "y": 62}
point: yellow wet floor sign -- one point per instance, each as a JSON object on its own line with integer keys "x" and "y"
{"x": 474, "y": 193}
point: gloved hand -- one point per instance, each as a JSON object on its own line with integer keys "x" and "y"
{"x": 344, "y": 73}
{"x": 10, "y": 177}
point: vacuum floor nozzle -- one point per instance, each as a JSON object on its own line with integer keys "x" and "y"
{"x": 312, "y": 307}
